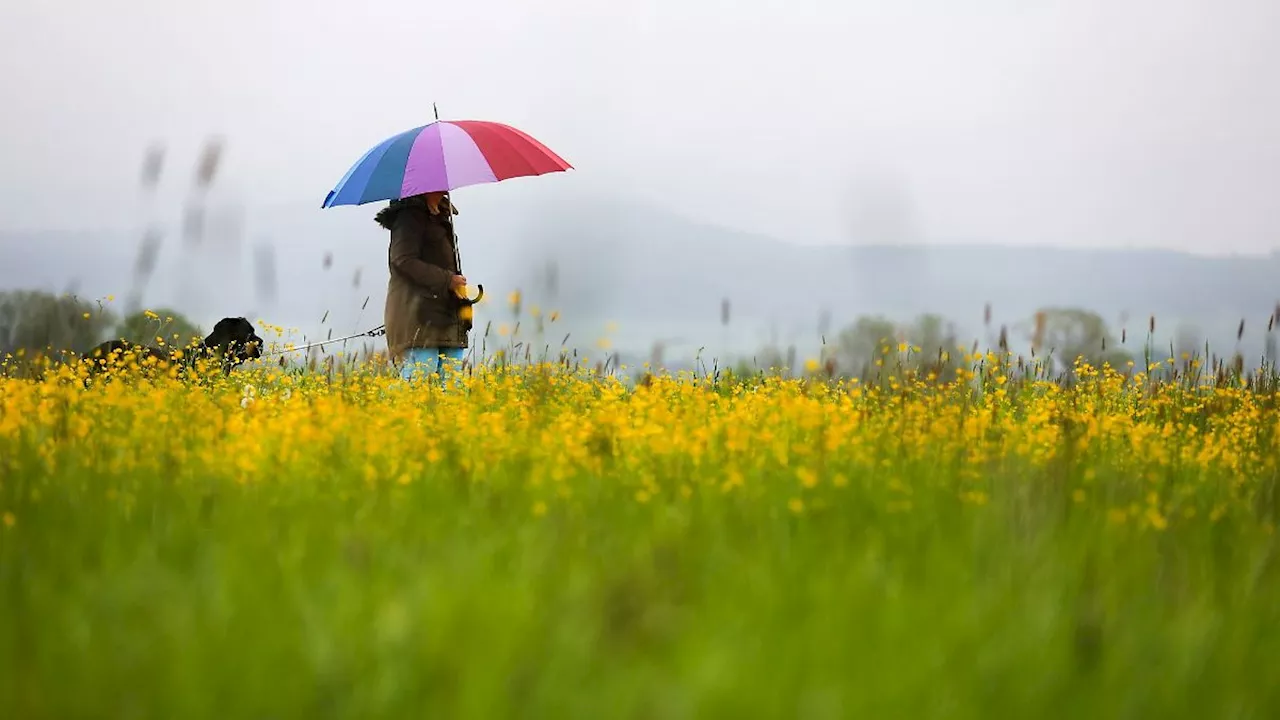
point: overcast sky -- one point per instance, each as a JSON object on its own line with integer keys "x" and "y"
{"x": 1066, "y": 122}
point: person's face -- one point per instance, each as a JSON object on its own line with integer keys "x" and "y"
{"x": 437, "y": 203}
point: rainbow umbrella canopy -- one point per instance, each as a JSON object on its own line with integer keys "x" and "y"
{"x": 442, "y": 156}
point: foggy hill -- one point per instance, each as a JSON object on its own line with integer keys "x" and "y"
{"x": 657, "y": 275}
{"x": 668, "y": 275}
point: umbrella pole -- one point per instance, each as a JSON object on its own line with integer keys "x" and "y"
{"x": 453, "y": 231}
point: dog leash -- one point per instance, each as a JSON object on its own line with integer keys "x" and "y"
{"x": 376, "y": 332}
{"x": 381, "y": 329}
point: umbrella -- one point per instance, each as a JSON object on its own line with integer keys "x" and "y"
{"x": 441, "y": 156}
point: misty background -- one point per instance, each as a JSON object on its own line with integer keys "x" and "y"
{"x": 810, "y": 162}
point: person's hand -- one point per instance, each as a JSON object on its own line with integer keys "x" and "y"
{"x": 459, "y": 282}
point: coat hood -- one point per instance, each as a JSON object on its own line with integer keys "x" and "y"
{"x": 386, "y": 217}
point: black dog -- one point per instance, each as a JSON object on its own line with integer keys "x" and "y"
{"x": 232, "y": 342}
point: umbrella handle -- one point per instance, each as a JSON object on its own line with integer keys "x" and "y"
{"x": 468, "y": 301}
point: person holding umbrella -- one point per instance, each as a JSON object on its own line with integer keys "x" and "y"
{"x": 426, "y": 333}
{"x": 427, "y": 313}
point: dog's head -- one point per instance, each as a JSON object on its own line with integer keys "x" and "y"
{"x": 235, "y": 340}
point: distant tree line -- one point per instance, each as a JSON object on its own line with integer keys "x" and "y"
{"x": 38, "y": 323}
{"x": 1052, "y": 340}
{"x": 35, "y": 322}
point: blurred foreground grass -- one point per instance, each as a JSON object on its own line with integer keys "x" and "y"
{"x": 547, "y": 545}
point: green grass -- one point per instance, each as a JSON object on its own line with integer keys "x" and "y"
{"x": 189, "y": 596}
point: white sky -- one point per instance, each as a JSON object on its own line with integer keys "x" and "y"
{"x": 1065, "y": 122}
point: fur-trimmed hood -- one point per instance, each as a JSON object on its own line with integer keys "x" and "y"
{"x": 386, "y": 217}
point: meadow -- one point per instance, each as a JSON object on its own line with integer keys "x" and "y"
{"x": 548, "y": 542}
